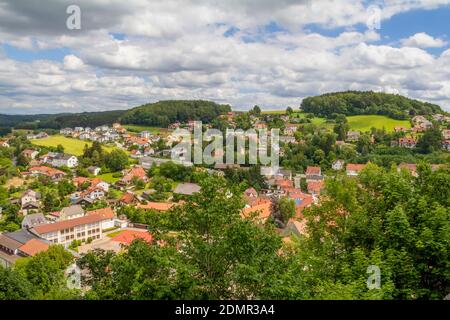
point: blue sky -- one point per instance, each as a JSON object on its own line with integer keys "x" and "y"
{"x": 242, "y": 53}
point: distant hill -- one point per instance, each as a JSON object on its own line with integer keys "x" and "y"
{"x": 353, "y": 103}
{"x": 163, "y": 113}
{"x": 159, "y": 114}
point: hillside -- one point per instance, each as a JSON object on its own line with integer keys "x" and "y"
{"x": 159, "y": 114}
{"x": 163, "y": 113}
{"x": 353, "y": 103}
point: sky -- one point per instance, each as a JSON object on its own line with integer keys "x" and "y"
{"x": 270, "y": 53}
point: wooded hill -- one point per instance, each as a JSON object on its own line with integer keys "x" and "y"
{"x": 159, "y": 114}
{"x": 352, "y": 103}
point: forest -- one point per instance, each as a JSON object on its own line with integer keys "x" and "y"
{"x": 352, "y": 103}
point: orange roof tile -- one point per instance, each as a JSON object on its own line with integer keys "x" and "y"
{"x": 106, "y": 213}
{"x": 128, "y": 236}
{"x": 33, "y": 247}
{"x": 160, "y": 206}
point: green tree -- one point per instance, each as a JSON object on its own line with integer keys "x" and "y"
{"x": 116, "y": 160}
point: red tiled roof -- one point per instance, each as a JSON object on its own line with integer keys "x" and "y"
{"x": 127, "y": 198}
{"x": 355, "y": 167}
{"x": 312, "y": 170}
{"x": 46, "y": 170}
{"x": 106, "y": 213}
{"x": 60, "y": 225}
{"x": 263, "y": 207}
{"x": 137, "y": 172}
{"x": 128, "y": 236}
{"x": 160, "y": 206}
{"x": 33, "y": 247}
{"x": 315, "y": 186}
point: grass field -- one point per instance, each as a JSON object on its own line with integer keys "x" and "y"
{"x": 72, "y": 146}
{"x": 366, "y": 122}
{"x": 108, "y": 177}
{"x": 136, "y": 128}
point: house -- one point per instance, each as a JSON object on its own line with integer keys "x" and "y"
{"x": 158, "y": 206}
{"x": 353, "y": 169}
{"x": 18, "y": 244}
{"x": 302, "y": 200}
{"x": 315, "y": 187}
{"x": 30, "y": 153}
{"x": 62, "y": 159}
{"x": 128, "y": 198}
{"x": 66, "y": 131}
{"x": 290, "y": 129}
{"x": 65, "y": 231}
{"x": 406, "y": 142}
{"x": 126, "y": 237}
{"x": 145, "y": 134}
{"x": 446, "y": 134}
{"x": 446, "y": 145}
{"x": 187, "y": 188}
{"x": 353, "y": 136}
{"x": 4, "y": 143}
{"x": 136, "y": 154}
{"x": 52, "y": 173}
{"x": 338, "y": 165}
{"x": 94, "y": 170}
{"x": 250, "y": 196}
{"x": 29, "y": 207}
{"x": 262, "y": 207}
{"x": 313, "y": 173}
{"x": 93, "y": 193}
{"x": 32, "y": 220}
{"x": 71, "y": 212}
{"x": 29, "y": 196}
{"x": 136, "y": 172}
{"x": 95, "y": 182}
{"x": 108, "y": 214}
{"x": 400, "y": 129}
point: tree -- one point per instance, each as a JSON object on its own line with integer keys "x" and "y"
{"x": 286, "y": 207}
{"x": 289, "y": 111}
{"x": 59, "y": 148}
{"x": 116, "y": 160}
{"x": 223, "y": 256}
{"x": 256, "y": 111}
{"x": 13, "y": 286}
{"x": 22, "y": 160}
{"x": 341, "y": 127}
{"x": 431, "y": 140}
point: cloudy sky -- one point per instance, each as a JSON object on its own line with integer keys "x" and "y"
{"x": 266, "y": 52}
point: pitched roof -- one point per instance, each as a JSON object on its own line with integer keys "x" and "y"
{"x": 9, "y": 243}
{"x": 33, "y": 247}
{"x": 313, "y": 170}
{"x": 263, "y": 207}
{"x": 160, "y": 206}
{"x": 128, "y": 236}
{"x": 187, "y": 188}
{"x": 106, "y": 213}
{"x": 65, "y": 224}
{"x": 72, "y": 210}
{"x": 127, "y": 198}
{"x": 315, "y": 186}
{"x": 32, "y": 220}
{"x": 355, "y": 166}
{"x": 21, "y": 235}
{"x": 46, "y": 170}
{"x": 137, "y": 172}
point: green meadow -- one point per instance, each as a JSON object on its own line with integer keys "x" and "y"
{"x": 72, "y": 146}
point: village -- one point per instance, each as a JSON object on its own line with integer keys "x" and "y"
{"x": 92, "y": 220}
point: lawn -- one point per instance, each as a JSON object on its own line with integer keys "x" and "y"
{"x": 366, "y": 122}
{"x": 137, "y": 128}
{"x": 108, "y": 177}
{"x": 72, "y": 146}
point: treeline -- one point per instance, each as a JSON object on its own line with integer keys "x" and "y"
{"x": 163, "y": 113}
{"x": 367, "y": 102}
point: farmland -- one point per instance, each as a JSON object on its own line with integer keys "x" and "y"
{"x": 138, "y": 128}
{"x": 366, "y": 122}
{"x": 72, "y": 146}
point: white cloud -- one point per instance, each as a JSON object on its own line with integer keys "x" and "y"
{"x": 173, "y": 51}
{"x": 423, "y": 40}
